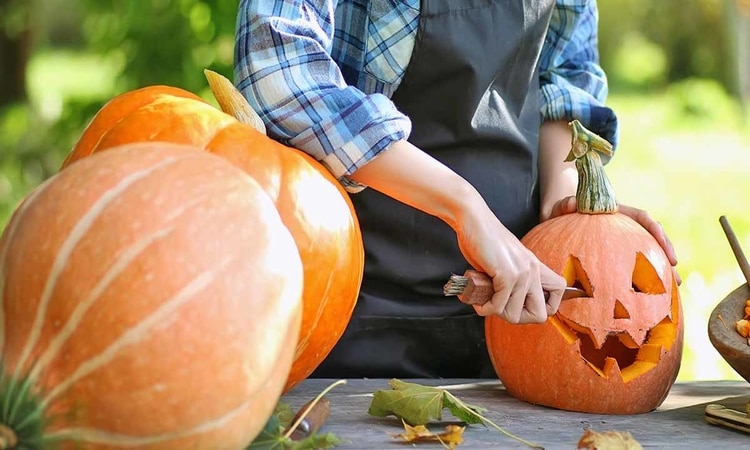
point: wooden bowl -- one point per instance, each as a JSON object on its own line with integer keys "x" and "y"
{"x": 724, "y": 336}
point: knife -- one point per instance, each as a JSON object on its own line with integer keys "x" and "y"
{"x": 475, "y": 288}
{"x": 312, "y": 418}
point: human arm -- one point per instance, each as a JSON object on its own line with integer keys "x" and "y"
{"x": 284, "y": 68}
{"x": 574, "y": 86}
{"x": 407, "y": 174}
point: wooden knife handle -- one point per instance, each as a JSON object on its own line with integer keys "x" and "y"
{"x": 478, "y": 290}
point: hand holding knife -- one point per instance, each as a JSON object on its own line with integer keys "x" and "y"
{"x": 475, "y": 288}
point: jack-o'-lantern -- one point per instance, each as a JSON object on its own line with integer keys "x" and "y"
{"x": 618, "y": 350}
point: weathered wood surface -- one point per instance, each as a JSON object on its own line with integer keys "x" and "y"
{"x": 678, "y": 423}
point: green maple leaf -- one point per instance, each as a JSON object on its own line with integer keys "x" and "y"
{"x": 413, "y": 403}
{"x": 416, "y": 404}
{"x": 272, "y": 437}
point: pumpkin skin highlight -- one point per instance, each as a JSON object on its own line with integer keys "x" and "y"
{"x": 311, "y": 202}
{"x": 634, "y": 300}
{"x": 127, "y": 282}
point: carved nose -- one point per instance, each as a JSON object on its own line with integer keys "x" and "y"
{"x": 620, "y": 311}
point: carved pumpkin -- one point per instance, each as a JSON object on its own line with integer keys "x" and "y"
{"x": 618, "y": 350}
{"x": 311, "y": 202}
{"x": 149, "y": 298}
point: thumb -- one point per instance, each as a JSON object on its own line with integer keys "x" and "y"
{"x": 565, "y": 206}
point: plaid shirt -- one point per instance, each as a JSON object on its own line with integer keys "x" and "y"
{"x": 320, "y": 73}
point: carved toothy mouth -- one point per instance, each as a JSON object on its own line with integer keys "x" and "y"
{"x": 620, "y": 353}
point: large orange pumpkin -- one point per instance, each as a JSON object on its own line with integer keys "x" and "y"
{"x": 618, "y": 350}
{"x": 149, "y": 297}
{"x": 311, "y": 202}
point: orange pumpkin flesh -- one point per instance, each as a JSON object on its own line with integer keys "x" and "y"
{"x": 617, "y": 351}
{"x": 148, "y": 296}
{"x": 311, "y": 202}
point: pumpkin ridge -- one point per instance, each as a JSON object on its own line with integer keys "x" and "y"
{"x": 97, "y": 436}
{"x": 303, "y": 343}
{"x": 134, "y": 334}
{"x": 10, "y": 231}
{"x": 76, "y": 233}
{"x": 129, "y": 254}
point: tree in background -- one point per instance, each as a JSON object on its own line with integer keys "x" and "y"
{"x": 61, "y": 60}
{"x": 15, "y": 49}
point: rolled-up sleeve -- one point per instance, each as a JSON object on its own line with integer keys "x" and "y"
{"x": 284, "y": 69}
{"x": 573, "y": 84}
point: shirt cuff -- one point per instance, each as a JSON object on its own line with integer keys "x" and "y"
{"x": 350, "y": 139}
{"x": 573, "y": 103}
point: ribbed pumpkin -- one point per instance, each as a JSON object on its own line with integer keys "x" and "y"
{"x": 148, "y": 299}
{"x": 617, "y": 351}
{"x": 311, "y": 202}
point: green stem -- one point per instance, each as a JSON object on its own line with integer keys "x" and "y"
{"x": 493, "y": 424}
{"x": 594, "y": 194}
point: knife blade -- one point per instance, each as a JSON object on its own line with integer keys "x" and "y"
{"x": 475, "y": 288}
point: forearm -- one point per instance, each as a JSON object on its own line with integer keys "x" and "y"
{"x": 557, "y": 179}
{"x": 411, "y": 176}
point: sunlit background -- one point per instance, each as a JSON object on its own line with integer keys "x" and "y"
{"x": 676, "y": 80}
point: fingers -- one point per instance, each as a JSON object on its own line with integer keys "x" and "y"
{"x": 654, "y": 228}
{"x": 522, "y": 299}
{"x": 554, "y": 284}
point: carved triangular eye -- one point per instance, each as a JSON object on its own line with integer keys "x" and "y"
{"x": 645, "y": 277}
{"x": 575, "y": 275}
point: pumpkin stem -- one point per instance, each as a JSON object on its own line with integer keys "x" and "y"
{"x": 232, "y": 101}
{"x": 594, "y": 194}
{"x": 22, "y": 420}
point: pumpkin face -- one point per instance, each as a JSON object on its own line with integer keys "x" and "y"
{"x": 618, "y": 350}
{"x": 148, "y": 298}
{"x": 311, "y": 202}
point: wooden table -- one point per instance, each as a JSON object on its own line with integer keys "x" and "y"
{"x": 678, "y": 423}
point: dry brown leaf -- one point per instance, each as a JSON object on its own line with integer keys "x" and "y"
{"x": 608, "y": 440}
{"x": 450, "y": 437}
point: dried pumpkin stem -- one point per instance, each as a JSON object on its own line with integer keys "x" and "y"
{"x": 594, "y": 194}
{"x": 232, "y": 102}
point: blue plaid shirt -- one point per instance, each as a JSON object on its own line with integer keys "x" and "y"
{"x": 320, "y": 73}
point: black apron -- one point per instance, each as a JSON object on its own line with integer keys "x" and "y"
{"x": 472, "y": 92}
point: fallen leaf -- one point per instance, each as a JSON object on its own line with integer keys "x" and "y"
{"x": 272, "y": 438}
{"x": 416, "y": 405}
{"x": 276, "y": 435}
{"x": 608, "y": 440}
{"x": 450, "y": 437}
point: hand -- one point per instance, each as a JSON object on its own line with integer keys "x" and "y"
{"x": 518, "y": 277}
{"x": 408, "y": 175}
{"x": 568, "y": 205}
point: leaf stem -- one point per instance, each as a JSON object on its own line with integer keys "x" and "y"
{"x": 493, "y": 424}
{"x": 307, "y": 410}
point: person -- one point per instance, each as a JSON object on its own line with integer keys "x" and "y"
{"x": 447, "y": 121}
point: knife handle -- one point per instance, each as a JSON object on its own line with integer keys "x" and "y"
{"x": 478, "y": 289}
{"x": 473, "y": 288}
{"x": 313, "y": 419}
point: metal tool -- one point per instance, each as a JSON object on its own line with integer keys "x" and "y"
{"x": 312, "y": 420}
{"x": 475, "y": 288}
